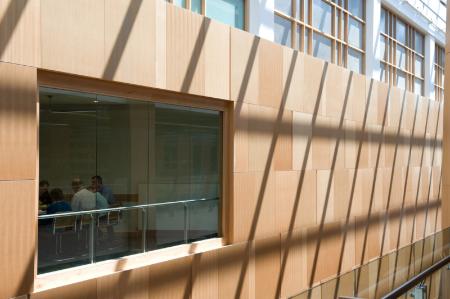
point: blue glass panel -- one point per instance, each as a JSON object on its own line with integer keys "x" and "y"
{"x": 230, "y": 12}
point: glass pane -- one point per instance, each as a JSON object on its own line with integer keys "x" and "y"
{"x": 383, "y": 72}
{"x": 306, "y": 11}
{"x": 67, "y": 138}
{"x": 187, "y": 166}
{"x": 400, "y": 53}
{"x": 282, "y": 31}
{"x": 306, "y": 40}
{"x": 299, "y": 38}
{"x": 401, "y": 32}
{"x": 118, "y": 233}
{"x": 230, "y": 12}
{"x": 356, "y": 8}
{"x": 322, "y": 16}
{"x": 383, "y": 21}
{"x": 419, "y": 43}
{"x": 401, "y": 79}
{"x": 298, "y": 9}
{"x": 418, "y": 86}
{"x": 419, "y": 66}
{"x": 111, "y": 154}
{"x": 355, "y": 60}
{"x": 321, "y": 47}
{"x": 196, "y": 6}
{"x": 285, "y": 6}
{"x": 355, "y": 33}
{"x": 181, "y": 3}
{"x": 383, "y": 48}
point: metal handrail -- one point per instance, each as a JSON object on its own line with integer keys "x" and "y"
{"x": 416, "y": 279}
{"x": 101, "y": 211}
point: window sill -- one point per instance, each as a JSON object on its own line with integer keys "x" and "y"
{"x": 73, "y": 275}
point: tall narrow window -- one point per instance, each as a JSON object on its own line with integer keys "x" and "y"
{"x": 402, "y": 53}
{"x": 439, "y": 65}
{"x": 120, "y": 176}
{"x": 230, "y": 12}
{"x": 331, "y": 30}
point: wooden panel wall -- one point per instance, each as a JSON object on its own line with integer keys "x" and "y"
{"x": 331, "y": 169}
{"x": 18, "y": 154}
{"x": 149, "y": 43}
{"x": 20, "y": 32}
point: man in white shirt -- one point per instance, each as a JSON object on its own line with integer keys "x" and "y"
{"x": 85, "y": 200}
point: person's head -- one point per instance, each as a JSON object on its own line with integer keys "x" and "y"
{"x": 96, "y": 183}
{"x": 43, "y": 186}
{"x": 77, "y": 185}
{"x": 56, "y": 194}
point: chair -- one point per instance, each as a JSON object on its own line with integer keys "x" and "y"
{"x": 61, "y": 226}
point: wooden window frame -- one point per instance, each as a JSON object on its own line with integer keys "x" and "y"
{"x": 339, "y": 34}
{"x": 439, "y": 66}
{"x": 97, "y": 86}
{"x": 389, "y": 62}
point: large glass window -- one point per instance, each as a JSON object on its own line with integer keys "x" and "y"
{"x": 119, "y": 177}
{"x": 330, "y": 30}
{"x": 402, "y": 53}
{"x": 439, "y": 65}
{"x": 230, "y": 12}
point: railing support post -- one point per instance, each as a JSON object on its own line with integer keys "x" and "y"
{"x": 91, "y": 239}
{"x": 144, "y": 229}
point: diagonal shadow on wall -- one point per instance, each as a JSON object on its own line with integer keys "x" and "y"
{"x": 9, "y": 22}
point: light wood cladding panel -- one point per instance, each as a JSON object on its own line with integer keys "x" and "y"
{"x": 130, "y": 41}
{"x": 17, "y": 228}
{"x": 171, "y": 279}
{"x": 132, "y": 284}
{"x": 86, "y": 289}
{"x": 267, "y": 266}
{"x": 283, "y": 145}
{"x": 217, "y": 60}
{"x": 235, "y": 268}
{"x": 73, "y": 40}
{"x": 293, "y": 268}
{"x": 335, "y": 91}
{"x": 262, "y": 138}
{"x": 20, "y": 34}
{"x": 18, "y": 122}
{"x": 197, "y": 54}
{"x": 205, "y": 275}
{"x": 302, "y": 141}
{"x": 295, "y": 199}
{"x": 271, "y": 75}
{"x": 313, "y": 84}
{"x": 185, "y": 59}
{"x": 293, "y": 77}
{"x": 244, "y": 66}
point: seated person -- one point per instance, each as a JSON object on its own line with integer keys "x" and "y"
{"x": 100, "y": 201}
{"x": 84, "y": 199}
{"x": 58, "y": 204}
{"x": 105, "y": 191}
{"x": 44, "y": 196}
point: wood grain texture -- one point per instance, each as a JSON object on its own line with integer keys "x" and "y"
{"x": 18, "y": 122}
{"x": 20, "y": 34}
{"x": 130, "y": 41}
{"x": 185, "y": 40}
{"x": 17, "y": 228}
{"x": 69, "y": 45}
{"x": 327, "y": 165}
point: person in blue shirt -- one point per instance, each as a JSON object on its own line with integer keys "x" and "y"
{"x": 58, "y": 204}
{"x": 105, "y": 191}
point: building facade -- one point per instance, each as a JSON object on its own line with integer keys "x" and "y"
{"x": 155, "y": 149}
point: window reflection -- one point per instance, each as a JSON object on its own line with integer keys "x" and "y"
{"x": 120, "y": 176}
